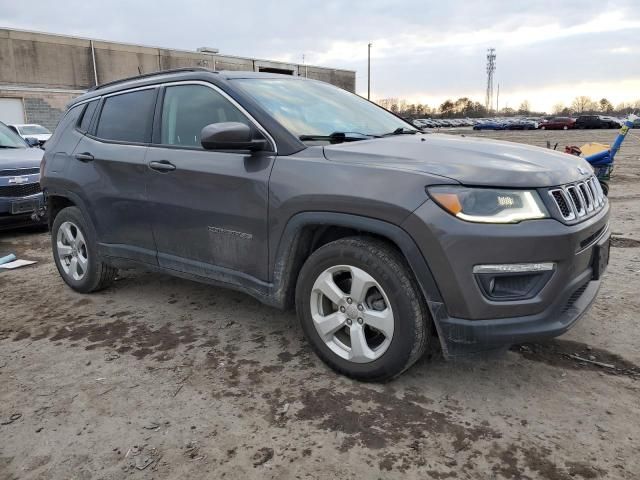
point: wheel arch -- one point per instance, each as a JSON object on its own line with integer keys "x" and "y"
{"x": 57, "y": 200}
{"x": 307, "y": 231}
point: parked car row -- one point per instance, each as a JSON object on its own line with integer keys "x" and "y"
{"x": 442, "y": 122}
{"x": 523, "y": 123}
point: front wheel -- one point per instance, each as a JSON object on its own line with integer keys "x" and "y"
{"x": 75, "y": 253}
{"x": 543, "y": 128}
{"x": 565, "y": 128}
{"x": 361, "y": 309}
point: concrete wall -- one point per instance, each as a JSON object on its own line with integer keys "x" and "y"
{"x": 42, "y": 107}
{"x": 40, "y": 68}
{"x": 43, "y": 60}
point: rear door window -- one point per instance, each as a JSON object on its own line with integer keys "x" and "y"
{"x": 127, "y": 117}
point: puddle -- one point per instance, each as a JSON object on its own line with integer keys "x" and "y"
{"x": 577, "y": 356}
{"x": 623, "y": 242}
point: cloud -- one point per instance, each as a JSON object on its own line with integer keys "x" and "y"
{"x": 421, "y": 49}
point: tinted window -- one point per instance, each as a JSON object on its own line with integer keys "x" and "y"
{"x": 186, "y": 109}
{"x": 9, "y": 138}
{"x": 87, "y": 115}
{"x": 127, "y": 117}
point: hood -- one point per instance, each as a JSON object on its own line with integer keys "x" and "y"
{"x": 12, "y": 158}
{"x": 468, "y": 160}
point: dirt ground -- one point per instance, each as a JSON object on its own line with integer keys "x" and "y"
{"x": 164, "y": 378}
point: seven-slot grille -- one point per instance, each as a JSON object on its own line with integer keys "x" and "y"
{"x": 577, "y": 200}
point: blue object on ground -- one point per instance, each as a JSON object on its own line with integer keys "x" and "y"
{"x": 606, "y": 157}
{"x": 7, "y": 259}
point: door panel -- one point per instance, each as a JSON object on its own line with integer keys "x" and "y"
{"x": 114, "y": 186}
{"x": 209, "y": 208}
{"x": 211, "y": 211}
{"x": 112, "y": 161}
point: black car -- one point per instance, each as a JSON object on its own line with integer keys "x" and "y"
{"x": 20, "y": 194}
{"x": 595, "y": 121}
{"x": 385, "y": 238}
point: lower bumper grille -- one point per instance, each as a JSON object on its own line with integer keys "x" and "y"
{"x": 574, "y": 297}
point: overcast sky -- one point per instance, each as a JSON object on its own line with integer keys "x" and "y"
{"x": 548, "y": 51}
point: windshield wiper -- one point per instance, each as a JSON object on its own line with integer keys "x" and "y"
{"x": 338, "y": 137}
{"x": 400, "y": 131}
{"x": 7, "y": 146}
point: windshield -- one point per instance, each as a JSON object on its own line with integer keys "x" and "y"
{"x": 10, "y": 139}
{"x": 33, "y": 130}
{"x": 311, "y": 108}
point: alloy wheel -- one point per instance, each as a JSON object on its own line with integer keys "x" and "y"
{"x": 72, "y": 251}
{"x": 352, "y": 314}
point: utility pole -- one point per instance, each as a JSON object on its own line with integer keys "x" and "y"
{"x": 369, "y": 71}
{"x": 498, "y": 100}
{"x": 491, "y": 68}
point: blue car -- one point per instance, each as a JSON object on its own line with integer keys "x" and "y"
{"x": 20, "y": 193}
{"x": 490, "y": 125}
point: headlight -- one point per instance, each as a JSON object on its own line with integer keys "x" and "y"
{"x": 486, "y": 205}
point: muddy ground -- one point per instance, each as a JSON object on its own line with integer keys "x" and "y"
{"x": 165, "y": 378}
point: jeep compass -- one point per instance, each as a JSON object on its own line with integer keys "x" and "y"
{"x": 384, "y": 238}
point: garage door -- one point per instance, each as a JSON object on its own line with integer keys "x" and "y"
{"x": 11, "y": 110}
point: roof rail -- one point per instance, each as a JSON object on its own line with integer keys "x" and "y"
{"x": 150, "y": 74}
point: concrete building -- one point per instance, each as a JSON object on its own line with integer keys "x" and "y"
{"x": 40, "y": 73}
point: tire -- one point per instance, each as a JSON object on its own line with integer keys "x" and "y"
{"x": 391, "y": 292}
{"x": 565, "y": 128}
{"x": 75, "y": 253}
{"x": 543, "y": 128}
{"x": 605, "y": 188}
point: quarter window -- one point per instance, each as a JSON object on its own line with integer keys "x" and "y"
{"x": 127, "y": 117}
{"x": 186, "y": 109}
{"x": 87, "y": 115}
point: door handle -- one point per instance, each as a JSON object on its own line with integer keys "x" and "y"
{"x": 162, "y": 166}
{"x": 83, "y": 157}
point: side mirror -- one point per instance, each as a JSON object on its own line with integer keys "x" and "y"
{"x": 230, "y": 136}
{"x": 32, "y": 142}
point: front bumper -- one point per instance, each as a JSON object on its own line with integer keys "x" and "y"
{"x": 461, "y": 337}
{"x": 466, "y": 319}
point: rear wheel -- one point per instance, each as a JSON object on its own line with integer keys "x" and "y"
{"x": 361, "y": 309}
{"x": 75, "y": 253}
{"x": 565, "y": 127}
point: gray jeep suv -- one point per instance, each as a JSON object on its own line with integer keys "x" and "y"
{"x": 299, "y": 193}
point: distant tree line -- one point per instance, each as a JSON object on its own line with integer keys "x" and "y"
{"x": 464, "y": 107}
